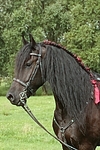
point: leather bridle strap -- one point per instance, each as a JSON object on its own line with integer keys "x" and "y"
{"x": 27, "y": 85}
{"x": 19, "y": 81}
{"x": 32, "y": 76}
{"x": 26, "y": 108}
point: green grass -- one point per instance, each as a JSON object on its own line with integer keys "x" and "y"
{"x": 19, "y": 132}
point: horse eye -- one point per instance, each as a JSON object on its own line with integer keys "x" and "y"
{"x": 28, "y": 64}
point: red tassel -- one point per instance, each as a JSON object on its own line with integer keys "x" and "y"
{"x": 96, "y": 92}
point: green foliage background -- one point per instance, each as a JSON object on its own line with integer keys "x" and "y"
{"x": 74, "y": 24}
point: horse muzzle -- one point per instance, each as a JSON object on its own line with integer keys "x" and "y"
{"x": 20, "y": 101}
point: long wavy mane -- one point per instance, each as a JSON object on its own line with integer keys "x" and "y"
{"x": 68, "y": 79}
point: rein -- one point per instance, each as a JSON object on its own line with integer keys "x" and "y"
{"x": 23, "y": 97}
{"x": 29, "y": 112}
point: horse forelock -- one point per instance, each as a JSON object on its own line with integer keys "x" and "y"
{"x": 22, "y": 56}
{"x": 69, "y": 81}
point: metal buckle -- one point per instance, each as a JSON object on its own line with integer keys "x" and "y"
{"x": 23, "y": 97}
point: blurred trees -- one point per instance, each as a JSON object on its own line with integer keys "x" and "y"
{"x": 75, "y": 24}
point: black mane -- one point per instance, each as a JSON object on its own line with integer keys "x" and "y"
{"x": 69, "y": 81}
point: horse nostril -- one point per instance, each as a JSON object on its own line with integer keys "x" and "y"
{"x": 10, "y": 97}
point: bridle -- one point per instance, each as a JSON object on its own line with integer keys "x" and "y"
{"x": 23, "y": 94}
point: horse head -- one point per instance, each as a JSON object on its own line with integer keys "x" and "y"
{"x": 28, "y": 72}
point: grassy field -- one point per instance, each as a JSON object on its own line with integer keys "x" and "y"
{"x": 19, "y": 132}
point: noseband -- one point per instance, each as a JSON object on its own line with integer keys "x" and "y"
{"x": 23, "y": 95}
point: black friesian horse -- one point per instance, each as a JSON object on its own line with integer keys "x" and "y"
{"x": 76, "y": 116}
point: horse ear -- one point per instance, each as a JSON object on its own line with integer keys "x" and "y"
{"x": 32, "y": 41}
{"x": 24, "y": 40}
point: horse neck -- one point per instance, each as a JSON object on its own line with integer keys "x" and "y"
{"x": 60, "y": 113}
{"x": 69, "y": 82}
